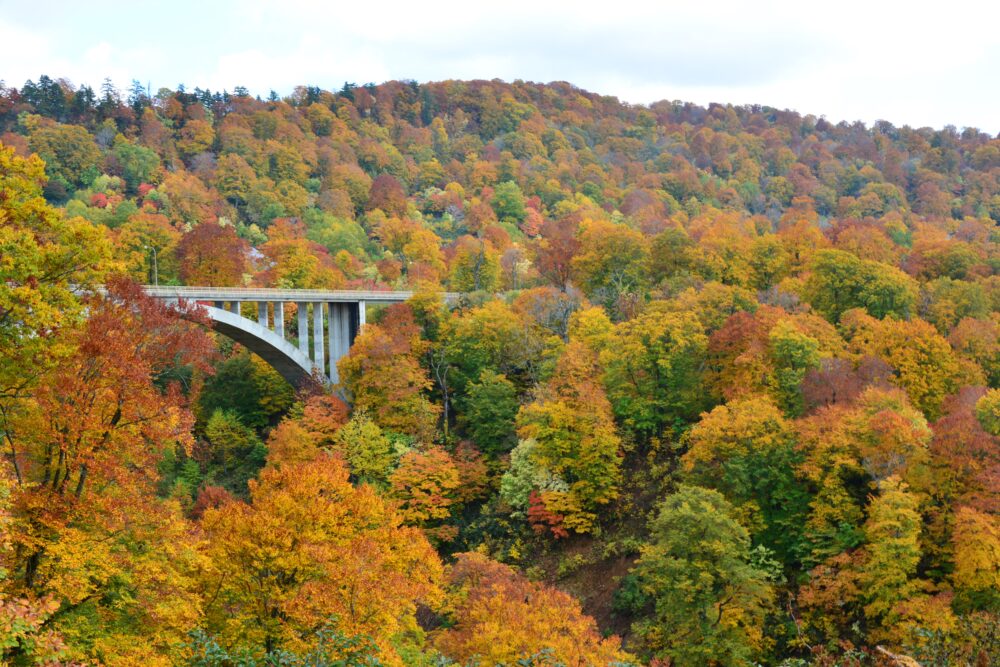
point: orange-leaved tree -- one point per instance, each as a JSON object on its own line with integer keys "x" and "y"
{"x": 499, "y": 617}
{"x": 426, "y": 484}
{"x": 383, "y": 375}
{"x": 88, "y": 529}
{"x": 212, "y": 254}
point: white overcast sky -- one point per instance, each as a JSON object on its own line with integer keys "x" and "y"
{"x": 917, "y": 63}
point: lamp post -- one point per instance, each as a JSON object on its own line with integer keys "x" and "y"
{"x": 156, "y": 269}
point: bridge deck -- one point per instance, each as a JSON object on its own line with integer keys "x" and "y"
{"x": 285, "y": 295}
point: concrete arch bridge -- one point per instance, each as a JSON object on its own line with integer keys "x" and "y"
{"x": 328, "y": 322}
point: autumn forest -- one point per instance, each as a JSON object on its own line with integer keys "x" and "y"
{"x": 721, "y": 386}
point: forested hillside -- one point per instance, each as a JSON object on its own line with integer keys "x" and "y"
{"x": 722, "y": 386}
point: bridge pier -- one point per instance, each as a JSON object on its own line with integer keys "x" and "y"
{"x": 340, "y": 336}
{"x": 279, "y": 318}
{"x": 319, "y": 352}
{"x": 333, "y": 339}
{"x": 303, "y": 310}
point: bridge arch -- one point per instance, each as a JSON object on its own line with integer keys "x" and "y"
{"x": 290, "y": 362}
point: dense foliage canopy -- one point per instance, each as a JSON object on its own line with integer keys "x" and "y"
{"x": 721, "y": 387}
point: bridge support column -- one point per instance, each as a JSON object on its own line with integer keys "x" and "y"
{"x": 279, "y": 318}
{"x": 362, "y": 315}
{"x": 236, "y": 308}
{"x": 303, "y": 328}
{"x": 333, "y": 339}
{"x": 345, "y": 331}
{"x": 221, "y": 305}
{"x": 352, "y": 316}
{"x": 340, "y": 336}
{"x": 319, "y": 351}
{"x": 262, "y": 313}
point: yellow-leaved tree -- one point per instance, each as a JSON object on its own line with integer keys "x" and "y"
{"x": 310, "y": 550}
{"x": 573, "y": 432}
